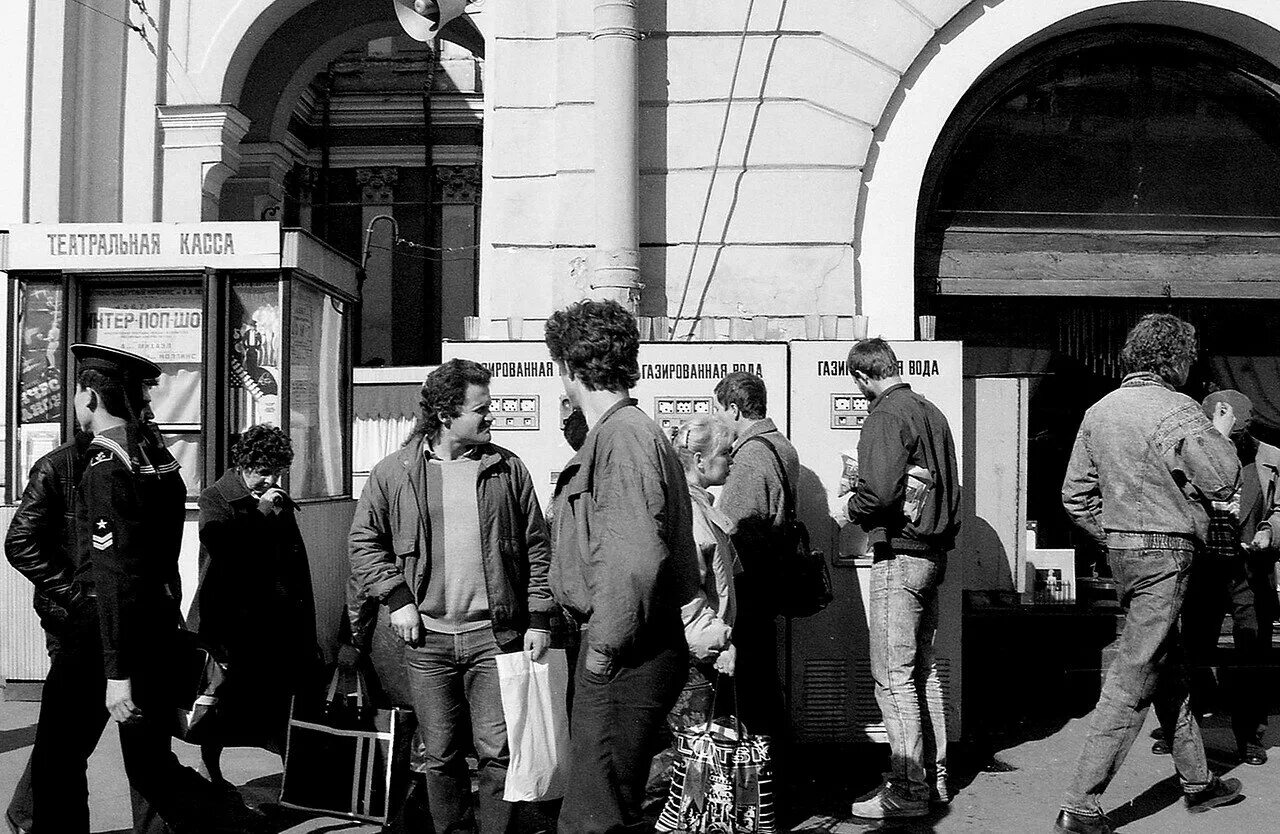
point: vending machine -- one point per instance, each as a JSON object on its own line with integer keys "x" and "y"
{"x": 831, "y": 692}
{"x": 677, "y": 381}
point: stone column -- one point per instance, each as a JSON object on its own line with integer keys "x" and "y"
{"x": 615, "y": 38}
{"x": 201, "y": 144}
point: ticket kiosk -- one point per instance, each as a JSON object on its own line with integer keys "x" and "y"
{"x": 832, "y": 693}
{"x": 249, "y": 323}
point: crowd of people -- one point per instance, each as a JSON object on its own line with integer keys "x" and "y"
{"x": 665, "y": 597}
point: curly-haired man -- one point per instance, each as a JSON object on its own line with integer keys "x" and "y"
{"x": 1147, "y": 464}
{"x": 449, "y": 537}
{"x": 625, "y": 562}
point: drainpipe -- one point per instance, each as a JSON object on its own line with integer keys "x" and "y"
{"x": 614, "y": 43}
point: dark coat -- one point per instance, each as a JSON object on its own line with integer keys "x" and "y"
{"x": 255, "y": 602}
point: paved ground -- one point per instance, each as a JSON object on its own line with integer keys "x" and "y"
{"x": 1016, "y": 790}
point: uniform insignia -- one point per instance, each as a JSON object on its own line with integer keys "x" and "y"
{"x": 101, "y": 457}
{"x": 102, "y": 536}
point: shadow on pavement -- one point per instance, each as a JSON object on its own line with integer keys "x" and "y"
{"x": 17, "y": 739}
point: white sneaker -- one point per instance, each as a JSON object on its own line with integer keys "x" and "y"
{"x": 886, "y": 804}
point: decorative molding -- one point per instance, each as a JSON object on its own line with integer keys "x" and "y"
{"x": 398, "y": 156}
{"x": 377, "y": 185}
{"x": 459, "y": 184}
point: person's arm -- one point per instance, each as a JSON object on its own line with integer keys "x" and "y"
{"x": 537, "y": 549}
{"x": 31, "y": 530}
{"x": 373, "y": 559}
{"x": 216, "y": 596}
{"x": 745, "y": 494}
{"x": 1081, "y": 496}
{"x": 629, "y": 547}
{"x": 883, "y": 456}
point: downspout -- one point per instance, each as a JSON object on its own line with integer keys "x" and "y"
{"x": 616, "y": 269}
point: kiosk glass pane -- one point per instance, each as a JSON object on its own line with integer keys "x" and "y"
{"x": 255, "y": 354}
{"x": 42, "y": 356}
{"x": 316, "y": 393}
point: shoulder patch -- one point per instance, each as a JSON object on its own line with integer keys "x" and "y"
{"x": 101, "y": 457}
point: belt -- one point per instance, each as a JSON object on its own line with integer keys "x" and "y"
{"x": 1120, "y": 540}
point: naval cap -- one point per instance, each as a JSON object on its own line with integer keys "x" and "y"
{"x": 115, "y": 362}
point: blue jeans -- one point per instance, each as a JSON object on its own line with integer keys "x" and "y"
{"x": 904, "y": 620}
{"x": 1148, "y": 668}
{"x": 454, "y": 679}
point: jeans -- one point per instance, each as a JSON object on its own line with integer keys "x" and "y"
{"x": 614, "y": 734}
{"x": 904, "y": 620}
{"x": 454, "y": 680}
{"x": 1147, "y": 669}
{"x": 1218, "y": 585}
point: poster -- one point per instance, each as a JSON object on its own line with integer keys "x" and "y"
{"x": 255, "y": 354}
{"x": 165, "y": 325}
{"x": 41, "y": 354}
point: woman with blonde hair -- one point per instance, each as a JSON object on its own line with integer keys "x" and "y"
{"x": 703, "y": 445}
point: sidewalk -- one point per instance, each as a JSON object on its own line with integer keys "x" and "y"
{"x": 1016, "y": 791}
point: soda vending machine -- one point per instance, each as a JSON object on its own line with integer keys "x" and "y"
{"x": 677, "y": 381}
{"x": 831, "y": 693}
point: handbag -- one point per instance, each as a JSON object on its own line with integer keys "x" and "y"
{"x": 202, "y": 675}
{"x": 345, "y": 758}
{"x": 721, "y": 781}
{"x": 803, "y": 580}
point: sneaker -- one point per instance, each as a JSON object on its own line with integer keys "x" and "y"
{"x": 940, "y": 794}
{"x": 886, "y": 804}
{"x": 1252, "y": 754}
{"x": 1220, "y": 792}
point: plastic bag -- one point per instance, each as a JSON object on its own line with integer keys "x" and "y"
{"x": 534, "y": 698}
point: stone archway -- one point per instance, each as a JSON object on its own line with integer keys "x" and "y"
{"x": 977, "y": 39}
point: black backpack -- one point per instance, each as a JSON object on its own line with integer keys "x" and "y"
{"x": 804, "y": 582}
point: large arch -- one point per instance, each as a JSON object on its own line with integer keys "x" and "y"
{"x": 978, "y": 38}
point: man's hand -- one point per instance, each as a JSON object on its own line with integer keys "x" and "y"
{"x": 597, "y": 662}
{"x": 536, "y": 643}
{"x": 839, "y": 508}
{"x": 727, "y": 661}
{"x": 120, "y": 701}
{"x": 1224, "y": 418}
{"x": 407, "y": 624}
{"x": 1261, "y": 539}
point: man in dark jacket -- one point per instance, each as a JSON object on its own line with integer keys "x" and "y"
{"x": 122, "y": 638}
{"x": 625, "y": 563}
{"x": 752, "y": 499}
{"x": 1146, "y": 467}
{"x": 41, "y": 545}
{"x": 907, "y": 498}
{"x": 448, "y": 536}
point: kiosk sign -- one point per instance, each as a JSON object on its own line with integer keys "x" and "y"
{"x": 98, "y": 246}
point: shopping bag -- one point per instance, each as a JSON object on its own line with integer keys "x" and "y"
{"x": 345, "y": 758}
{"x": 721, "y": 782}
{"x": 201, "y": 677}
{"x": 534, "y": 698}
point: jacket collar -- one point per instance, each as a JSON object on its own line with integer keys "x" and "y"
{"x": 885, "y": 394}
{"x": 762, "y": 426}
{"x": 1141, "y": 379}
{"x": 231, "y": 486}
{"x": 575, "y": 478}
{"x": 416, "y": 455}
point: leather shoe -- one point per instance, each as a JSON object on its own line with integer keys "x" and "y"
{"x": 1253, "y": 754}
{"x": 1070, "y": 822}
{"x": 1220, "y": 792}
{"x": 1161, "y": 747}
{"x": 14, "y": 825}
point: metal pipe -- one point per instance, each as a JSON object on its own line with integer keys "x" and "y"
{"x": 614, "y": 40}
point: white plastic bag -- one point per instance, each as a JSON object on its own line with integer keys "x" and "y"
{"x": 534, "y": 699}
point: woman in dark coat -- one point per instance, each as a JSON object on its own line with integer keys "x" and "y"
{"x": 255, "y": 600}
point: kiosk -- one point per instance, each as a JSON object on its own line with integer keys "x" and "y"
{"x": 249, "y": 323}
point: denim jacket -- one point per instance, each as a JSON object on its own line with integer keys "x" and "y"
{"x": 1147, "y": 460}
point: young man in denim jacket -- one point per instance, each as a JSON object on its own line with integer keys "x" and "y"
{"x": 1146, "y": 466}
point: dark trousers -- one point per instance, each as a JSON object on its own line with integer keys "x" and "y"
{"x": 614, "y": 732}
{"x": 21, "y": 811}
{"x": 1242, "y": 586}
{"x": 72, "y": 718}
{"x": 760, "y": 703}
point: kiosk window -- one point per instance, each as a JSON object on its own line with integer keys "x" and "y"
{"x": 255, "y": 354}
{"x": 42, "y": 356}
{"x": 316, "y": 393}
{"x": 166, "y": 325}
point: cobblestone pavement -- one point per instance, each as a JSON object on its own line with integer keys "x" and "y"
{"x": 1015, "y": 791}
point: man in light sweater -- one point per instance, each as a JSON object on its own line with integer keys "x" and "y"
{"x": 448, "y": 535}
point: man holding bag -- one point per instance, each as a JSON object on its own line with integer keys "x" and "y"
{"x": 448, "y": 535}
